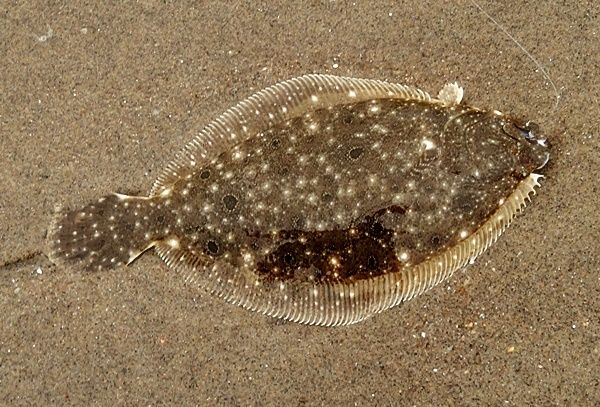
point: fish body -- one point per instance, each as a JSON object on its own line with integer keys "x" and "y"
{"x": 321, "y": 200}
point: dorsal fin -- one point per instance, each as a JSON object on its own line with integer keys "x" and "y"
{"x": 275, "y": 104}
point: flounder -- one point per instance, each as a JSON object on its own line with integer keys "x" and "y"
{"x": 321, "y": 200}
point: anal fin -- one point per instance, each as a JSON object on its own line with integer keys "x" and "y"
{"x": 173, "y": 252}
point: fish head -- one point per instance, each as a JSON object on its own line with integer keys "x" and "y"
{"x": 533, "y": 149}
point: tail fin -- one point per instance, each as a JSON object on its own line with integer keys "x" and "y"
{"x": 103, "y": 235}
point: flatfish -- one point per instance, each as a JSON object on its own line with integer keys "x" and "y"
{"x": 321, "y": 200}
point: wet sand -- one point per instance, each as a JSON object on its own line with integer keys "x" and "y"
{"x": 95, "y": 100}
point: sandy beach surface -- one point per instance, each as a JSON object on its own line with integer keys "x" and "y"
{"x": 96, "y": 99}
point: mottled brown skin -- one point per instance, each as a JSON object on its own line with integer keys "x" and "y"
{"x": 340, "y": 194}
{"x": 368, "y": 246}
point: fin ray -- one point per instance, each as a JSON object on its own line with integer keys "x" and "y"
{"x": 280, "y": 102}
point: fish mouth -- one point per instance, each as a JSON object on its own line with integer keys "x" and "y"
{"x": 546, "y": 159}
{"x": 531, "y": 133}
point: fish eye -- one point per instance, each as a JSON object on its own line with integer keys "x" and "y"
{"x": 529, "y": 131}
